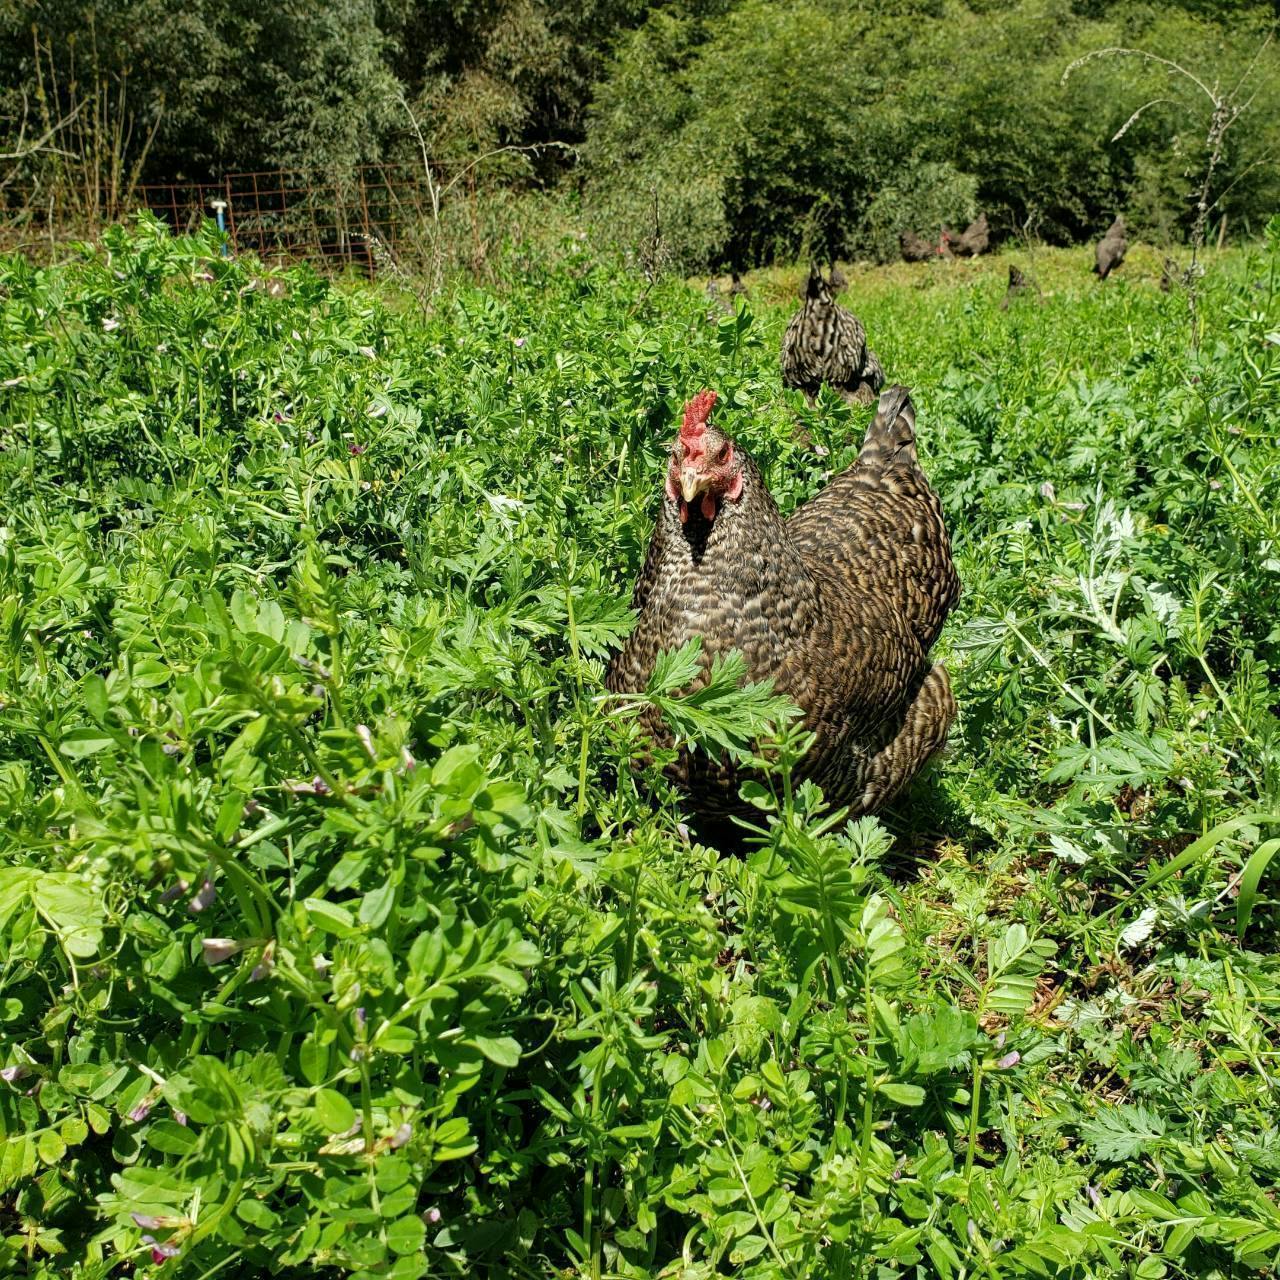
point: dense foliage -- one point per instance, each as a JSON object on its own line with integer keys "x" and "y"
{"x": 335, "y": 935}
{"x": 718, "y": 132}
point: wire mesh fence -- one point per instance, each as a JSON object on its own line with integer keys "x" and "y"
{"x": 362, "y": 218}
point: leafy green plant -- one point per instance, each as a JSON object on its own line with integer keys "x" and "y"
{"x": 346, "y": 927}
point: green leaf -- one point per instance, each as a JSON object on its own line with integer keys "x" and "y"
{"x": 79, "y": 743}
{"x": 1250, "y": 879}
{"x": 330, "y": 917}
{"x": 406, "y": 1235}
{"x": 313, "y": 1059}
{"x": 51, "y": 1146}
{"x": 502, "y": 1050}
{"x": 73, "y": 910}
{"x": 906, "y": 1095}
{"x": 1120, "y": 1133}
{"x": 377, "y": 903}
{"x": 95, "y": 697}
{"x": 335, "y": 1113}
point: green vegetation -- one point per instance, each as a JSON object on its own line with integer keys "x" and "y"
{"x": 336, "y": 934}
{"x": 701, "y": 133}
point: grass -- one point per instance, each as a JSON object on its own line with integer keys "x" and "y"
{"x": 337, "y": 935}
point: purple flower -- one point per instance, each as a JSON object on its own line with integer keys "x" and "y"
{"x": 174, "y": 890}
{"x": 138, "y": 1115}
{"x": 204, "y": 898}
{"x": 1000, "y": 1040}
{"x": 180, "y": 1117}
{"x": 160, "y": 1251}
{"x": 519, "y": 342}
{"x": 362, "y": 1019}
{"x": 217, "y": 950}
{"x": 356, "y": 449}
{"x": 147, "y": 1221}
{"x": 14, "y": 1073}
{"x": 1094, "y": 1198}
{"x": 264, "y": 966}
{"x": 432, "y": 1215}
{"x": 1009, "y": 1060}
{"x": 401, "y": 1136}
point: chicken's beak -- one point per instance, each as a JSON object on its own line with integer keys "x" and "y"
{"x": 690, "y": 484}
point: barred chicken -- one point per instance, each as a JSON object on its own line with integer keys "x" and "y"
{"x": 1019, "y": 283}
{"x": 838, "y": 605}
{"x": 1109, "y": 252}
{"x": 975, "y": 239}
{"x": 825, "y": 342}
{"x": 916, "y": 248}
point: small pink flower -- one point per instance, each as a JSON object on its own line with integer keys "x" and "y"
{"x": 401, "y": 1136}
{"x": 147, "y": 1221}
{"x": 1094, "y": 1198}
{"x": 11, "y": 1075}
{"x": 180, "y": 1117}
{"x": 1009, "y": 1060}
{"x": 110, "y": 323}
{"x": 368, "y": 352}
{"x": 432, "y": 1215}
{"x": 138, "y": 1115}
{"x": 519, "y": 342}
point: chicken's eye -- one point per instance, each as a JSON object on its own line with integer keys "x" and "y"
{"x": 723, "y": 452}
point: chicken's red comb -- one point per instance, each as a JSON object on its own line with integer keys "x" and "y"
{"x": 696, "y": 413}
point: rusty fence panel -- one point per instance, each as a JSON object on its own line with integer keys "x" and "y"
{"x": 359, "y": 219}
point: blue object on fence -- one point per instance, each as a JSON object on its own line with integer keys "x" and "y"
{"x": 220, "y": 208}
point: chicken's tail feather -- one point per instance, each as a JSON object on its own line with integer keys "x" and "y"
{"x": 891, "y": 438}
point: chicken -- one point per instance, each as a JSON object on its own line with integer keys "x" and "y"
{"x": 838, "y": 605}
{"x": 1019, "y": 282}
{"x": 974, "y": 240}
{"x": 725, "y": 300}
{"x": 825, "y": 342}
{"x": 916, "y": 248}
{"x": 718, "y": 300}
{"x": 1109, "y": 252}
{"x": 1170, "y": 275}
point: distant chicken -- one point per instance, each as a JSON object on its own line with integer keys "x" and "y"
{"x": 825, "y": 342}
{"x": 838, "y": 605}
{"x": 1019, "y": 283}
{"x": 717, "y": 300}
{"x": 1170, "y": 275}
{"x": 974, "y": 240}
{"x": 916, "y": 248}
{"x": 1110, "y": 250}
